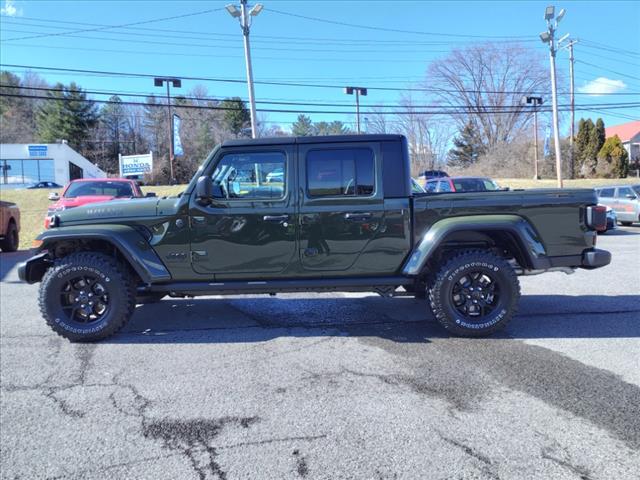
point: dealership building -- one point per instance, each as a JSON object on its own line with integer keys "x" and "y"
{"x": 22, "y": 164}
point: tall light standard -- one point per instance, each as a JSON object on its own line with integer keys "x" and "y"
{"x": 244, "y": 17}
{"x": 177, "y": 83}
{"x": 548, "y": 37}
{"x": 536, "y": 102}
{"x": 358, "y": 91}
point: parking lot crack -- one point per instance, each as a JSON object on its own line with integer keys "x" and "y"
{"x": 581, "y": 472}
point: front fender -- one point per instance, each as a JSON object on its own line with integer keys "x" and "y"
{"x": 129, "y": 242}
{"x": 529, "y": 241}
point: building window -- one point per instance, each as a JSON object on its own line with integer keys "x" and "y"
{"x": 27, "y": 171}
{"x": 75, "y": 172}
{"x": 338, "y": 172}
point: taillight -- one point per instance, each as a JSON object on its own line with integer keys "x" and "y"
{"x": 597, "y": 217}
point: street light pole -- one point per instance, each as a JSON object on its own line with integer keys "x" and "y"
{"x": 548, "y": 37}
{"x": 358, "y": 91}
{"x": 177, "y": 83}
{"x": 244, "y": 16}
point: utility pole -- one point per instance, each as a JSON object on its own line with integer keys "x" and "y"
{"x": 569, "y": 46}
{"x": 549, "y": 37}
{"x": 245, "y": 16}
{"x": 358, "y": 91}
{"x": 536, "y": 102}
{"x": 177, "y": 83}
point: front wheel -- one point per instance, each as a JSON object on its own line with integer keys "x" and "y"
{"x": 86, "y": 296}
{"x": 475, "y": 294}
{"x": 11, "y": 239}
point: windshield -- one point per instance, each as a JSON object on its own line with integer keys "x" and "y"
{"x": 106, "y": 188}
{"x": 636, "y": 188}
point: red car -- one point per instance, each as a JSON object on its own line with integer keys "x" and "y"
{"x": 92, "y": 190}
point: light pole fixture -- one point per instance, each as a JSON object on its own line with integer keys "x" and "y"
{"x": 245, "y": 15}
{"x": 358, "y": 91}
{"x": 549, "y": 38}
{"x": 176, "y": 83}
{"x": 535, "y": 102}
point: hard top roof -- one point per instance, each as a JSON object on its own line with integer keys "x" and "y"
{"x": 322, "y": 139}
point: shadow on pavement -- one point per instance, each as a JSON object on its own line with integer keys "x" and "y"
{"x": 258, "y": 319}
{"x": 8, "y": 260}
{"x": 619, "y": 232}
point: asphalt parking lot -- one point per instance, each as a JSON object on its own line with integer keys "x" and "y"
{"x": 331, "y": 386}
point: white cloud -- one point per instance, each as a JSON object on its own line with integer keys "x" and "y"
{"x": 10, "y": 9}
{"x": 602, "y": 85}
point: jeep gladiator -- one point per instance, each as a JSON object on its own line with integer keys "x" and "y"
{"x": 338, "y": 215}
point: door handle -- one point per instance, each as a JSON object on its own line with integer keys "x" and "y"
{"x": 275, "y": 218}
{"x": 357, "y": 217}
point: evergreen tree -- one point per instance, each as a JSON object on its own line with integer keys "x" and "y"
{"x": 613, "y": 159}
{"x": 467, "y": 147}
{"x": 68, "y": 115}
{"x": 303, "y": 127}
{"x": 114, "y": 124}
{"x": 601, "y": 136}
{"x": 236, "y": 117}
{"x": 330, "y": 128}
{"x": 585, "y": 151}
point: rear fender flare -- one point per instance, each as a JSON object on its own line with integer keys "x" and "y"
{"x": 530, "y": 243}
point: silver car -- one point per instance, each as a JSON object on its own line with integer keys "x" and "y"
{"x": 624, "y": 200}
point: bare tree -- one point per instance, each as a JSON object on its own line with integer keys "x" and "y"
{"x": 488, "y": 81}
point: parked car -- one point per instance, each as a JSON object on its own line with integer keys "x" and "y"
{"x": 430, "y": 174}
{"x": 612, "y": 220}
{"x": 44, "y": 185}
{"x": 276, "y": 175}
{"x": 462, "y": 184}
{"x": 346, "y": 220}
{"x": 624, "y": 200}
{"x": 92, "y": 190}
{"x": 9, "y": 226}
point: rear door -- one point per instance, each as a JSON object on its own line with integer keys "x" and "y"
{"x": 251, "y": 232}
{"x": 341, "y": 205}
{"x": 626, "y": 202}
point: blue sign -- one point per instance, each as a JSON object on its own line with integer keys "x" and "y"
{"x": 547, "y": 140}
{"x": 177, "y": 144}
{"x": 37, "y": 150}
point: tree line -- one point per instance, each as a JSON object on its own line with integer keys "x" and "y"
{"x": 466, "y": 116}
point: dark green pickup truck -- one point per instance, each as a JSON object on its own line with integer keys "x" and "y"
{"x": 307, "y": 215}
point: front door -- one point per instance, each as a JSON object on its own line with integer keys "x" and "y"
{"x": 342, "y": 207}
{"x": 250, "y": 228}
{"x": 626, "y": 204}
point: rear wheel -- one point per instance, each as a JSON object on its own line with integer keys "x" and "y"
{"x": 11, "y": 240}
{"x": 475, "y": 294}
{"x": 87, "y": 296}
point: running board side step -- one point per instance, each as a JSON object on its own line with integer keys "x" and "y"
{"x": 235, "y": 287}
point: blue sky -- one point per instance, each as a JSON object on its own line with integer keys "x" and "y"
{"x": 210, "y": 45}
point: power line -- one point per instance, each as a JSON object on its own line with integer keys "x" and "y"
{"x": 394, "y": 30}
{"x": 275, "y": 102}
{"x": 107, "y": 27}
{"x": 274, "y": 83}
{"x": 453, "y": 111}
{"x": 607, "y": 69}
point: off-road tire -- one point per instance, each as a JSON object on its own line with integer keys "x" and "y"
{"x": 441, "y": 293}
{"x": 11, "y": 239}
{"x": 114, "y": 278}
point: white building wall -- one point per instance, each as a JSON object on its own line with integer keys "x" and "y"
{"x": 60, "y": 154}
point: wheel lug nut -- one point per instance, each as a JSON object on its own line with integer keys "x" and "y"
{"x": 91, "y": 294}
{"x": 475, "y": 301}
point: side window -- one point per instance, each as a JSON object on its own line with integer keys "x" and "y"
{"x": 254, "y": 175}
{"x": 623, "y": 192}
{"x": 336, "y": 172}
{"x": 606, "y": 193}
{"x": 444, "y": 186}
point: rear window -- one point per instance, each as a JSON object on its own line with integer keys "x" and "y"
{"x": 340, "y": 172}
{"x": 469, "y": 185}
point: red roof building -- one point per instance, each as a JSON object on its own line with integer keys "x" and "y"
{"x": 629, "y": 135}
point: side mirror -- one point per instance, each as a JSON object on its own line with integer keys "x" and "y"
{"x": 630, "y": 196}
{"x": 204, "y": 190}
{"x": 54, "y": 196}
{"x": 150, "y": 194}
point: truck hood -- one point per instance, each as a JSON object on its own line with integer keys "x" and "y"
{"x": 109, "y": 210}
